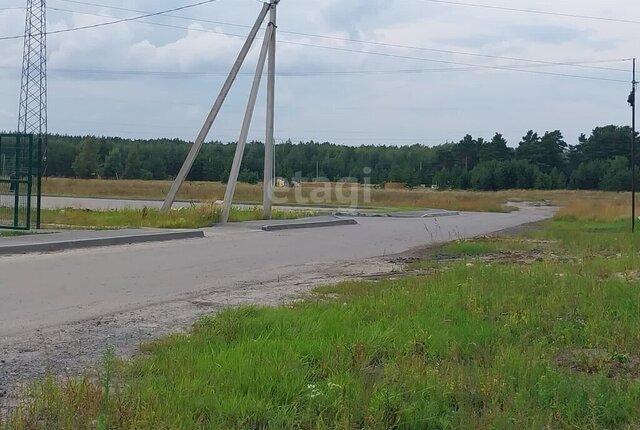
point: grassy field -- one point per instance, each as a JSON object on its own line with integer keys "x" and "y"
{"x": 194, "y": 217}
{"x": 403, "y": 198}
{"x": 537, "y": 330}
{"x": 212, "y": 191}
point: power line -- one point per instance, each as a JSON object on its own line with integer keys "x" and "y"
{"x": 302, "y": 73}
{"x": 337, "y": 38}
{"x": 406, "y": 57}
{"x": 486, "y": 67}
{"x": 118, "y": 21}
{"x": 470, "y": 65}
{"x": 539, "y": 12}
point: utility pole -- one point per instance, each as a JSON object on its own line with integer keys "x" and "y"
{"x": 213, "y": 114}
{"x": 269, "y": 151}
{"x": 632, "y": 102}
{"x": 32, "y": 118}
{"x": 244, "y": 133}
{"x": 268, "y": 49}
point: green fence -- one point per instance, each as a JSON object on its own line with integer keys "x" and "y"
{"x": 20, "y": 181}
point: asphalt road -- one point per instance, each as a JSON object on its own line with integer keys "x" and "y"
{"x": 50, "y": 290}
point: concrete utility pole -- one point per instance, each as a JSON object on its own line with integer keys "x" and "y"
{"x": 215, "y": 110}
{"x": 244, "y": 133}
{"x": 269, "y": 155}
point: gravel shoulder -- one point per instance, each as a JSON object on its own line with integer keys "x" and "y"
{"x": 70, "y": 350}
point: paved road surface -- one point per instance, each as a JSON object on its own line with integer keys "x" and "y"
{"x": 56, "y": 289}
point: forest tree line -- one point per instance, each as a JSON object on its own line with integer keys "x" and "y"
{"x": 600, "y": 161}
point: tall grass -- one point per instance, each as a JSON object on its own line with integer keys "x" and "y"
{"x": 194, "y": 217}
{"x": 603, "y": 210}
{"x": 472, "y": 345}
{"x": 396, "y": 198}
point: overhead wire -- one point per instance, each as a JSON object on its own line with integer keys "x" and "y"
{"x": 327, "y": 37}
{"x": 514, "y": 68}
{"x": 533, "y": 11}
{"x": 117, "y": 21}
{"x": 302, "y": 73}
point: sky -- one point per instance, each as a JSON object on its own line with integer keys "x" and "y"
{"x": 140, "y": 80}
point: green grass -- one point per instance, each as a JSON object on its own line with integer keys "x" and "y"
{"x": 553, "y": 343}
{"x": 11, "y": 233}
{"x": 193, "y": 217}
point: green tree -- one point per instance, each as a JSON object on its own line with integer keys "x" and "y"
{"x": 496, "y": 149}
{"x": 113, "y": 166}
{"x": 605, "y": 143}
{"x": 86, "y": 164}
{"x": 587, "y": 175}
{"x": 616, "y": 175}
{"x": 133, "y": 167}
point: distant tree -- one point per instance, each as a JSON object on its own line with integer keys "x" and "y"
{"x": 468, "y": 152}
{"x": 248, "y": 176}
{"x": 113, "y": 166}
{"x": 496, "y": 149}
{"x": 482, "y": 176}
{"x": 61, "y": 155}
{"x": 554, "y": 151}
{"x": 605, "y": 143}
{"x": 558, "y": 179}
{"x": 543, "y": 181}
{"x": 133, "y": 167}
{"x": 616, "y": 175}
{"x": 529, "y": 147}
{"x": 587, "y": 175}
{"x": 546, "y": 153}
{"x": 471, "y": 162}
{"x": 86, "y": 164}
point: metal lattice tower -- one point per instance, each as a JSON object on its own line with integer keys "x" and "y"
{"x": 32, "y": 118}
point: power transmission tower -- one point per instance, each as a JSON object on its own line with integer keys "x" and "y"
{"x": 268, "y": 50}
{"x": 32, "y": 118}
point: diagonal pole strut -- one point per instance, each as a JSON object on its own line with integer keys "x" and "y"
{"x": 215, "y": 110}
{"x": 244, "y": 133}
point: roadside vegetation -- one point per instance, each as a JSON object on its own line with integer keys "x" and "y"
{"x": 196, "y": 216}
{"x": 534, "y": 330}
{"x": 379, "y": 198}
{"x": 11, "y": 233}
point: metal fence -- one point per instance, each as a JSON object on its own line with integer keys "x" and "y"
{"x": 20, "y": 181}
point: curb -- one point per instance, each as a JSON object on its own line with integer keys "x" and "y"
{"x": 440, "y": 215}
{"x": 312, "y": 224}
{"x": 397, "y": 215}
{"x": 65, "y": 245}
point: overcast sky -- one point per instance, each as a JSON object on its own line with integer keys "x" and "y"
{"x": 334, "y": 94}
